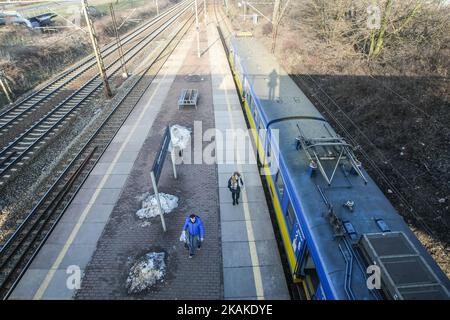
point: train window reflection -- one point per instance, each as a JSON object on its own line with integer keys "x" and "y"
{"x": 280, "y": 185}
{"x": 290, "y": 216}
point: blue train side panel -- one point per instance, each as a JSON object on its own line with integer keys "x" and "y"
{"x": 333, "y": 218}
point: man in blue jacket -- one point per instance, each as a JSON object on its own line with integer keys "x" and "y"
{"x": 194, "y": 233}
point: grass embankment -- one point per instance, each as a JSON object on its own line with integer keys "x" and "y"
{"x": 29, "y": 57}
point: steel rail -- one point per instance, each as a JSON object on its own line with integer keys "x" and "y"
{"x": 51, "y": 126}
{"x": 161, "y": 58}
{"x": 86, "y": 64}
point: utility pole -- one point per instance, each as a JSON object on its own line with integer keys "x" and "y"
{"x": 118, "y": 43}
{"x": 204, "y": 9}
{"x": 98, "y": 56}
{"x": 198, "y": 29}
{"x": 6, "y": 89}
{"x": 244, "y": 4}
{"x": 275, "y": 22}
{"x": 226, "y": 6}
{"x": 157, "y": 8}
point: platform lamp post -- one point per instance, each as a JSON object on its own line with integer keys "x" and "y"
{"x": 275, "y": 23}
{"x": 198, "y": 29}
{"x": 98, "y": 55}
{"x": 6, "y": 89}
{"x": 226, "y": 6}
{"x": 204, "y": 9}
{"x": 118, "y": 42}
{"x": 278, "y": 13}
{"x": 157, "y": 7}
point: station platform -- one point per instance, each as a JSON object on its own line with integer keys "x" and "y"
{"x": 251, "y": 263}
{"x": 101, "y": 234}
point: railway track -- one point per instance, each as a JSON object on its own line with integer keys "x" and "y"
{"x": 23, "y": 245}
{"x": 24, "y": 107}
{"x": 27, "y": 145}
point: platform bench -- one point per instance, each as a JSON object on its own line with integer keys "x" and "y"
{"x": 188, "y": 97}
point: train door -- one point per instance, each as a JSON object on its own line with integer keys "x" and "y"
{"x": 267, "y": 161}
{"x": 232, "y": 55}
{"x": 306, "y": 271}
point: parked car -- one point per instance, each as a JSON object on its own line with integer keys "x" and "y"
{"x": 15, "y": 18}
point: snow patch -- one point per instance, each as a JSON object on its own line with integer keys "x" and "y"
{"x": 150, "y": 205}
{"x": 146, "y": 224}
{"x": 146, "y": 272}
{"x": 179, "y": 136}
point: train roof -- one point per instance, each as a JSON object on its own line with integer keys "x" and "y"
{"x": 372, "y": 215}
{"x": 277, "y": 93}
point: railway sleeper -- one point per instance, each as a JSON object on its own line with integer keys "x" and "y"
{"x": 29, "y": 103}
{"x": 22, "y": 144}
{"x": 21, "y": 148}
{"x": 5, "y": 119}
{"x": 35, "y": 134}
{"x": 7, "y": 155}
{"x": 45, "y": 126}
{"x": 33, "y": 138}
{"x": 40, "y": 130}
{"x": 4, "y": 179}
{"x": 53, "y": 118}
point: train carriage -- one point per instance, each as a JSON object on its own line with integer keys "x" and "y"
{"x": 338, "y": 229}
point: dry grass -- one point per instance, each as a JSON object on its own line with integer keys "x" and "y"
{"x": 29, "y": 57}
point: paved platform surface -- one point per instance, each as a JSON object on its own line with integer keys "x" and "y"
{"x": 101, "y": 234}
{"x": 74, "y": 240}
{"x": 251, "y": 263}
{"x": 125, "y": 239}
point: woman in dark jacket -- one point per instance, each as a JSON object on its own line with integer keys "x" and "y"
{"x": 234, "y": 184}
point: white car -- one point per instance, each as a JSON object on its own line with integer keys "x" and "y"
{"x": 15, "y": 18}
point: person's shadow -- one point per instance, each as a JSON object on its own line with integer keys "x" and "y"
{"x": 273, "y": 82}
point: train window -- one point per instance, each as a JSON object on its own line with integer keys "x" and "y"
{"x": 249, "y": 98}
{"x": 280, "y": 184}
{"x": 290, "y": 216}
{"x": 253, "y": 106}
{"x": 255, "y": 117}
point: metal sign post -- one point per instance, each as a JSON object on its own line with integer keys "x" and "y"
{"x": 157, "y": 169}
{"x": 118, "y": 42}
{"x": 204, "y": 9}
{"x": 155, "y": 188}
{"x": 174, "y": 167}
{"x": 197, "y": 28}
{"x": 173, "y": 156}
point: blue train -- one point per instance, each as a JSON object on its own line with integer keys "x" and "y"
{"x": 343, "y": 238}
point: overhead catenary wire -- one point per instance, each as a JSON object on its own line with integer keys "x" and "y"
{"x": 380, "y": 154}
{"x": 382, "y": 157}
{"x": 377, "y": 170}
